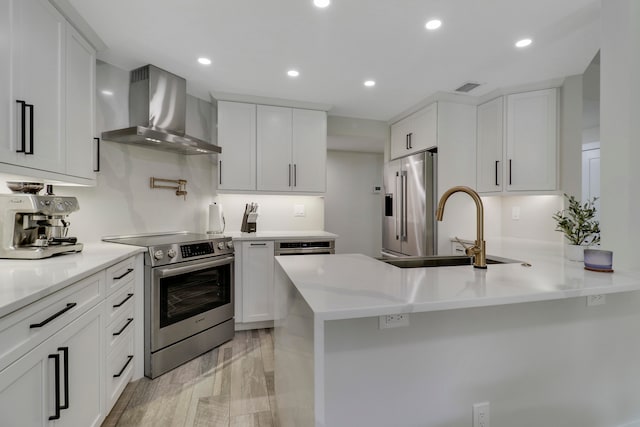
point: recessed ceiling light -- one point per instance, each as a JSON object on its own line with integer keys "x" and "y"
{"x": 106, "y": 92}
{"x": 293, "y": 73}
{"x": 523, "y": 43}
{"x": 434, "y": 24}
{"x": 321, "y": 3}
{"x": 369, "y": 83}
{"x": 204, "y": 61}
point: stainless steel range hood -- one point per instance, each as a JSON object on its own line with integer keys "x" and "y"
{"x": 157, "y": 114}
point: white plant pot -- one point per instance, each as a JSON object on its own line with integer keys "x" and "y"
{"x": 574, "y": 252}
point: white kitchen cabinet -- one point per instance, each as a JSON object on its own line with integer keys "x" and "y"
{"x": 38, "y": 40}
{"x": 275, "y": 167}
{"x": 531, "y": 141}
{"x": 309, "y": 151}
{"x": 74, "y": 355}
{"x": 121, "y": 321}
{"x": 517, "y": 143}
{"x": 291, "y": 149}
{"x": 489, "y": 153}
{"x": 237, "y": 138}
{"x": 415, "y": 133}
{"x": 257, "y": 281}
{"x": 47, "y": 94}
{"x": 85, "y": 325}
{"x": 80, "y": 107}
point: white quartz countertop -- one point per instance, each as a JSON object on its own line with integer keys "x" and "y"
{"x": 25, "y": 281}
{"x": 355, "y": 285}
{"x": 281, "y": 235}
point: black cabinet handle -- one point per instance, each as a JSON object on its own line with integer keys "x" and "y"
{"x": 65, "y": 365}
{"x": 58, "y": 314}
{"x": 406, "y": 141}
{"x": 497, "y": 161}
{"x": 97, "y": 140}
{"x": 295, "y": 175}
{"x": 31, "y": 143}
{"x": 410, "y": 140}
{"x": 258, "y": 244}
{"x": 289, "y": 174}
{"x": 509, "y": 171}
{"x": 129, "y": 270}
{"x": 56, "y": 359}
{"x": 129, "y": 320}
{"x": 220, "y": 170}
{"x": 23, "y": 126}
{"x": 123, "y": 301}
{"x": 129, "y": 359}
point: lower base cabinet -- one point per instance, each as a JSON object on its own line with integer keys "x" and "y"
{"x": 70, "y": 372}
{"x": 59, "y": 382}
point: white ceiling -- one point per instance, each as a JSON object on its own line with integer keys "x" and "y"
{"x": 252, "y": 44}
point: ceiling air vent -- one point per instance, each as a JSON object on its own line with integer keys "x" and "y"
{"x": 467, "y": 87}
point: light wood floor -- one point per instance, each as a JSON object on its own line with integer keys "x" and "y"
{"x": 231, "y": 385}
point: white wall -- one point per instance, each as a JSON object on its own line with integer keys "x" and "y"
{"x": 536, "y": 222}
{"x": 275, "y": 212}
{"x": 352, "y": 210}
{"x": 619, "y": 130}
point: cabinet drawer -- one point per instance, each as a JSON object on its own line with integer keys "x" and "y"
{"x": 120, "y": 301}
{"x": 26, "y": 328}
{"x": 120, "y": 327}
{"x": 121, "y": 273}
{"x": 119, "y": 368}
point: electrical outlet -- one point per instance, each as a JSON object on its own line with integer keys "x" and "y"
{"x": 515, "y": 213}
{"x": 481, "y": 414}
{"x": 298, "y": 210}
{"x": 596, "y": 300}
{"x": 394, "y": 321}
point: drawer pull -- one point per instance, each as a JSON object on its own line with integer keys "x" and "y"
{"x": 129, "y": 359}
{"x": 58, "y": 314}
{"x": 129, "y": 270}
{"x": 123, "y": 301}
{"x": 129, "y": 320}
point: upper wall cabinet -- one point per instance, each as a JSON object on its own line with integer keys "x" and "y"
{"x": 415, "y": 133}
{"x": 46, "y": 68}
{"x": 490, "y": 146}
{"x": 292, "y": 149}
{"x": 517, "y": 147}
{"x": 274, "y": 149}
{"x": 237, "y": 138}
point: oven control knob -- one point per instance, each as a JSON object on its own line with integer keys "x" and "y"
{"x": 158, "y": 254}
{"x": 171, "y": 253}
{"x": 230, "y": 245}
{"x": 221, "y": 245}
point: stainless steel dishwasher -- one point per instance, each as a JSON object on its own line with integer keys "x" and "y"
{"x": 305, "y": 247}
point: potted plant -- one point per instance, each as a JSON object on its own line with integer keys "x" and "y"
{"x": 579, "y": 226}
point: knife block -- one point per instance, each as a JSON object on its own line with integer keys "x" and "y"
{"x": 249, "y": 224}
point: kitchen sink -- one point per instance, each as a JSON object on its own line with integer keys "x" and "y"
{"x": 442, "y": 261}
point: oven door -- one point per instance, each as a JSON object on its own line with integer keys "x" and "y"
{"x": 189, "y": 298}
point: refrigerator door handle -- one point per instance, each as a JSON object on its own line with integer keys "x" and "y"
{"x": 396, "y": 217}
{"x": 403, "y": 228}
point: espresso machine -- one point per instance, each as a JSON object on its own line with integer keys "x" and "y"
{"x": 35, "y": 226}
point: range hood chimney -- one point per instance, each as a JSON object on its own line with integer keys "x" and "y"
{"x": 157, "y": 114}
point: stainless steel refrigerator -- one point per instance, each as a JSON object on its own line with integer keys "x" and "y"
{"x": 409, "y": 223}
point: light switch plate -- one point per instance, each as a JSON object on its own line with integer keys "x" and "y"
{"x": 298, "y": 210}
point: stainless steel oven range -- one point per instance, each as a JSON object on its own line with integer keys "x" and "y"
{"x": 188, "y": 296}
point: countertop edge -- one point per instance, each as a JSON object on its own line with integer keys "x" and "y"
{"x": 49, "y": 290}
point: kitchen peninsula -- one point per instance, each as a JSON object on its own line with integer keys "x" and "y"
{"x": 519, "y": 337}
